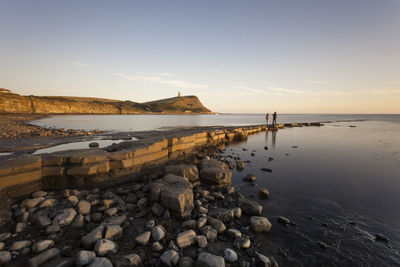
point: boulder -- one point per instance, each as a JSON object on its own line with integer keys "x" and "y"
{"x": 169, "y": 258}
{"x": 43, "y": 257}
{"x": 18, "y": 245}
{"x": 113, "y": 232}
{"x": 260, "y": 224}
{"x": 225, "y": 215}
{"x": 100, "y": 262}
{"x": 206, "y": 259}
{"x": 65, "y": 217}
{"x": 42, "y": 245}
{"x": 186, "y": 239}
{"x": 241, "y": 242}
{"x": 105, "y": 246}
{"x": 158, "y": 233}
{"x": 216, "y": 224}
{"x": 175, "y": 193}
{"x": 84, "y": 257}
{"x": 189, "y": 172}
{"x": 214, "y": 172}
{"x": 250, "y": 207}
{"x": 84, "y": 207}
{"x": 230, "y": 255}
{"x": 5, "y": 257}
{"x": 143, "y": 239}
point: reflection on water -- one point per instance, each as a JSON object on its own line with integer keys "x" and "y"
{"x": 339, "y": 184}
{"x": 76, "y": 145}
{"x": 152, "y": 122}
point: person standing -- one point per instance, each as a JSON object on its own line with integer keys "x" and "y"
{"x": 267, "y": 118}
{"x": 274, "y": 118}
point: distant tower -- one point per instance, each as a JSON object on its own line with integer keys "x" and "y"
{"x": 179, "y": 94}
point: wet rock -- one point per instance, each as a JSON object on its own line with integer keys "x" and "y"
{"x": 143, "y": 239}
{"x": 157, "y": 209}
{"x": 209, "y": 260}
{"x": 93, "y": 144}
{"x": 240, "y": 165}
{"x": 237, "y": 212}
{"x": 266, "y": 170}
{"x": 32, "y": 202}
{"x": 18, "y": 245}
{"x": 65, "y": 217}
{"x": 201, "y": 222}
{"x": 186, "y": 239}
{"x": 100, "y": 262}
{"x": 225, "y": 215}
{"x": 113, "y": 232}
{"x": 5, "y": 257}
{"x": 201, "y": 241}
{"x": 283, "y": 220}
{"x": 189, "y": 172}
{"x": 175, "y": 193}
{"x": 169, "y": 258}
{"x": 186, "y": 262}
{"x": 382, "y": 238}
{"x": 157, "y": 247}
{"x": 105, "y": 246}
{"x": 241, "y": 242}
{"x": 84, "y": 257}
{"x": 189, "y": 224}
{"x": 5, "y": 236}
{"x": 114, "y": 220}
{"x": 91, "y": 238}
{"x": 260, "y": 224}
{"x": 84, "y": 207}
{"x": 233, "y": 233}
{"x": 43, "y": 257}
{"x": 209, "y": 232}
{"x": 39, "y": 194}
{"x": 215, "y": 173}
{"x": 132, "y": 260}
{"x": 51, "y": 229}
{"x": 216, "y": 224}
{"x": 262, "y": 261}
{"x": 230, "y": 255}
{"x": 20, "y": 227}
{"x": 158, "y": 233}
{"x": 249, "y": 178}
{"x": 250, "y": 207}
{"x": 73, "y": 200}
{"x": 42, "y": 221}
{"x": 322, "y": 245}
{"x": 270, "y": 159}
{"x": 42, "y": 245}
{"x": 263, "y": 193}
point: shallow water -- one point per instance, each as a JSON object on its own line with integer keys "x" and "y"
{"x": 77, "y": 145}
{"x": 159, "y": 122}
{"x": 333, "y": 174}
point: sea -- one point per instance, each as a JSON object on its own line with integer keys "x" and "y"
{"x": 339, "y": 183}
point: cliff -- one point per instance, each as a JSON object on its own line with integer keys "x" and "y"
{"x": 15, "y": 103}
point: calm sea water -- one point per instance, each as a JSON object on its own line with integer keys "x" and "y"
{"x": 332, "y": 174}
{"x": 322, "y": 178}
{"x": 159, "y": 122}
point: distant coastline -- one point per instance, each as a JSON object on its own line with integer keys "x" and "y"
{"x": 11, "y": 103}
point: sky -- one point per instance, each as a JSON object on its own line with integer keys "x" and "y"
{"x": 311, "y": 56}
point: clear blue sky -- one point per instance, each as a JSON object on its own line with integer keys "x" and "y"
{"x": 320, "y": 56}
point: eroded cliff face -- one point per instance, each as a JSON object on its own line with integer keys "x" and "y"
{"x": 14, "y": 103}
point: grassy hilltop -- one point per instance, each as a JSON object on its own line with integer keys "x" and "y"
{"x": 15, "y": 103}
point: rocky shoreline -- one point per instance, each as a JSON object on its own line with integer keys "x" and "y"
{"x": 180, "y": 215}
{"x": 17, "y": 126}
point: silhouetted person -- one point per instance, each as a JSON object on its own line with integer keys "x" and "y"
{"x": 267, "y": 118}
{"x": 274, "y": 118}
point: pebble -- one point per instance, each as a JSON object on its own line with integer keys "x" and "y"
{"x": 260, "y": 224}
{"x": 263, "y": 193}
{"x": 158, "y": 233}
{"x": 249, "y": 178}
{"x": 18, "y": 245}
{"x": 65, "y": 217}
{"x": 5, "y": 257}
{"x": 43, "y": 257}
{"x": 84, "y": 207}
{"x": 230, "y": 255}
{"x": 169, "y": 258}
{"x": 110, "y": 212}
{"x": 201, "y": 241}
{"x": 131, "y": 260}
{"x": 283, "y": 220}
{"x": 156, "y": 246}
{"x": 206, "y": 259}
{"x": 241, "y": 242}
{"x": 42, "y": 245}
{"x": 100, "y": 262}
{"x": 380, "y": 237}
{"x": 143, "y": 239}
{"x": 186, "y": 239}
{"x": 105, "y": 246}
{"x": 113, "y": 232}
{"x": 84, "y": 257}
{"x": 73, "y": 200}
{"x": 209, "y": 232}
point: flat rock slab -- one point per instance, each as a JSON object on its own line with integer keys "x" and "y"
{"x": 175, "y": 193}
{"x": 214, "y": 172}
{"x": 189, "y": 172}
